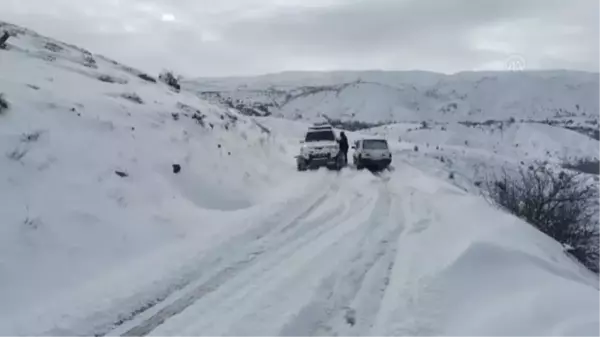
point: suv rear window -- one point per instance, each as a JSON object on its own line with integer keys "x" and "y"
{"x": 315, "y": 136}
{"x": 375, "y": 144}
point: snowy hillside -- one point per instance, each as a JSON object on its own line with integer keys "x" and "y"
{"x": 68, "y": 218}
{"x": 387, "y": 96}
{"x": 128, "y": 207}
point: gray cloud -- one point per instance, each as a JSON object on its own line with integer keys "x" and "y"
{"x": 207, "y": 38}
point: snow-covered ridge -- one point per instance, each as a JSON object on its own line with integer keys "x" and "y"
{"x": 396, "y": 96}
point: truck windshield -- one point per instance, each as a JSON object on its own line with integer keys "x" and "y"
{"x": 315, "y": 136}
{"x": 375, "y": 144}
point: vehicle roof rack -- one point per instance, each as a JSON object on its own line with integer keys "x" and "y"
{"x": 321, "y": 125}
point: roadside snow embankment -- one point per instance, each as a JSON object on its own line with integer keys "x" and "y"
{"x": 477, "y": 271}
{"x": 96, "y": 186}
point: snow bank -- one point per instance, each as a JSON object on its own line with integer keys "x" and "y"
{"x": 476, "y": 271}
{"x": 71, "y": 226}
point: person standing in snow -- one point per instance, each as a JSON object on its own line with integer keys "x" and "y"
{"x": 344, "y": 146}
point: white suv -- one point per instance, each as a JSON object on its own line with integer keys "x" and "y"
{"x": 372, "y": 153}
{"x": 320, "y": 148}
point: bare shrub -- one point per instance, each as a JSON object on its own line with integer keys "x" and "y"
{"x": 4, "y": 105}
{"x": 111, "y": 79}
{"x": 132, "y": 96}
{"x": 147, "y": 78}
{"x": 562, "y": 205}
{"x": 89, "y": 61}
{"x": 53, "y": 47}
{"x": 5, "y": 36}
{"x": 169, "y": 79}
{"x": 106, "y": 78}
{"x": 31, "y": 136}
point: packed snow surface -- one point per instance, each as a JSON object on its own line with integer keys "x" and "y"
{"x": 100, "y": 234}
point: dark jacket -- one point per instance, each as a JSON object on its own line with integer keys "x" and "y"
{"x": 343, "y": 143}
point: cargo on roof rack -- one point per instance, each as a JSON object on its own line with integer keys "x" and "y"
{"x": 320, "y": 126}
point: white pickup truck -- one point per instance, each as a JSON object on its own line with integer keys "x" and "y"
{"x": 320, "y": 148}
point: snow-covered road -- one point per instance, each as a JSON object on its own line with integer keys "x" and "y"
{"x": 353, "y": 255}
{"x": 299, "y": 272}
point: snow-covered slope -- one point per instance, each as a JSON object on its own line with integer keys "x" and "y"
{"x": 101, "y": 234}
{"x": 67, "y": 218}
{"x": 380, "y": 96}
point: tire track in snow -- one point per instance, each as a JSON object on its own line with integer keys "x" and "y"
{"x": 407, "y": 307}
{"x": 331, "y": 309}
{"x": 214, "y": 256}
{"x": 289, "y": 233}
{"x": 377, "y": 279}
{"x": 243, "y": 292}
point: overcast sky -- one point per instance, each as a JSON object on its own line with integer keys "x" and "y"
{"x": 244, "y": 37}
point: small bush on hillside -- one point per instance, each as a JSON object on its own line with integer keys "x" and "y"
{"x": 111, "y": 79}
{"x": 89, "y": 61}
{"x": 199, "y": 118}
{"x": 562, "y": 205}
{"x": 133, "y": 97}
{"x": 3, "y": 38}
{"x": 122, "y": 174}
{"x": 4, "y": 105}
{"x": 53, "y": 47}
{"x": 106, "y": 78}
{"x": 169, "y": 79}
{"x": 147, "y": 78}
{"x": 31, "y": 137}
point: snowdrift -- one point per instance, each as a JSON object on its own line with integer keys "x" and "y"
{"x": 477, "y": 271}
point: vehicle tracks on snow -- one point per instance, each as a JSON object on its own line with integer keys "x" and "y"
{"x": 245, "y": 290}
{"x": 359, "y": 281}
{"x": 271, "y": 240}
{"x": 410, "y": 307}
{"x": 293, "y": 212}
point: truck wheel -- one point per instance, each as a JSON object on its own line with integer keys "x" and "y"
{"x": 301, "y": 165}
{"x": 359, "y": 164}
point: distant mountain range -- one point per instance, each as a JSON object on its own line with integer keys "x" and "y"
{"x": 400, "y": 96}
